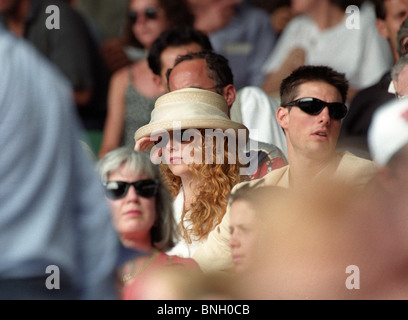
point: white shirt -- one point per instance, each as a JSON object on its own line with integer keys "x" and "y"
{"x": 182, "y": 248}
{"x": 257, "y": 111}
{"x": 362, "y": 54}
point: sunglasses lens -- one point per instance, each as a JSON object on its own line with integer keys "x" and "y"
{"x": 151, "y": 13}
{"x": 116, "y": 189}
{"x": 147, "y": 188}
{"x": 338, "y": 111}
{"x": 311, "y": 106}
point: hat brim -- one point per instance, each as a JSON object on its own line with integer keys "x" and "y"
{"x": 153, "y": 129}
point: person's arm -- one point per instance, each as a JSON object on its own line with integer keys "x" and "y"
{"x": 214, "y": 255}
{"x": 115, "y": 119}
{"x": 294, "y": 60}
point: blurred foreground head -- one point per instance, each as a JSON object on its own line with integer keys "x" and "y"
{"x": 328, "y": 241}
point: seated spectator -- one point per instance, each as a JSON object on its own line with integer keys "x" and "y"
{"x": 142, "y": 215}
{"x": 55, "y": 228}
{"x": 209, "y": 70}
{"x": 252, "y": 106}
{"x": 72, "y": 48}
{"x": 388, "y": 143}
{"x": 172, "y": 43}
{"x": 313, "y": 105}
{"x": 402, "y": 39}
{"x": 327, "y": 248}
{"x": 246, "y": 205}
{"x": 318, "y": 33}
{"x": 240, "y": 32}
{"x": 390, "y": 17}
{"x": 133, "y": 89}
{"x": 200, "y": 164}
{"x": 280, "y": 13}
{"x": 108, "y": 19}
{"x": 399, "y": 76}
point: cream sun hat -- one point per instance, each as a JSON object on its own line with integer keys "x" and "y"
{"x": 189, "y": 108}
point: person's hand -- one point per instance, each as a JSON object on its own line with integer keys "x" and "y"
{"x": 296, "y": 58}
{"x": 143, "y": 144}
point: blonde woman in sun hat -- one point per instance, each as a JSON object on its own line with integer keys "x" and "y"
{"x": 183, "y": 136}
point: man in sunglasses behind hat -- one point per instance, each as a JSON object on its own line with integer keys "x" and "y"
{"x": 312, "y": 108}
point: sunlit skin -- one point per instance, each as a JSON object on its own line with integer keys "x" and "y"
{"x": 243, "y": 229}
{"x": 194, "y": 74}
{"x": 396, "y": 13}
{"x": 304, "y": 6}
{"x": 191, "y": 74}
{"x": 311, "y": 136}
{"x": 147, "y": 30}
{"x": 323, "y": 12}
{"x": 401, "y": 86}
{"x": 178, "y": 155}
{"x": 169, "y": 55}
{"x": 133, "y": 216}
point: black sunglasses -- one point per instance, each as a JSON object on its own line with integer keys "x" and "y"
{"x": 313, "y": 106}
{"x": 118, "y": 189}
{"x": 150, "y": 13}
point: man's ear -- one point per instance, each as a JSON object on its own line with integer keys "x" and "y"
{"x": 382, "y": 29}
{"x": 282, "y": 116}
{"x": 229, "y": 92}
{"x": 159, "y": 83}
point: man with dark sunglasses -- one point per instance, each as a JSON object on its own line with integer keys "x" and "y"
{"x": 312, "y": 108}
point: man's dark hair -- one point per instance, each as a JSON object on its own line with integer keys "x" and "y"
{"x": 218, "y": 68}
{"x": 380, "y": 11}
{"x": 175, "y": 37}
{"x": 343, "y": 4}
{"x": 289, "y": 88}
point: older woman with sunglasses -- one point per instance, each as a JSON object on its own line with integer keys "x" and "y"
{"x": 142, "y": 214}
{"x": 134, "y": 88}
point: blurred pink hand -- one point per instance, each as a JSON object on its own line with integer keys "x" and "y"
{"x": 143, "y": 144}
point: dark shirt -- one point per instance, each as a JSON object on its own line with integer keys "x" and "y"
{"x": 355, "y": 125}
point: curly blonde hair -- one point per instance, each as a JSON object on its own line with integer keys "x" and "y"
{"x": 215, "y": 182}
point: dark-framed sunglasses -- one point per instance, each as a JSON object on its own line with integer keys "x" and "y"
{"x": 150, "y": 13}
{"x": 118, "y": 189}
{"x": 313, "y": 106}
